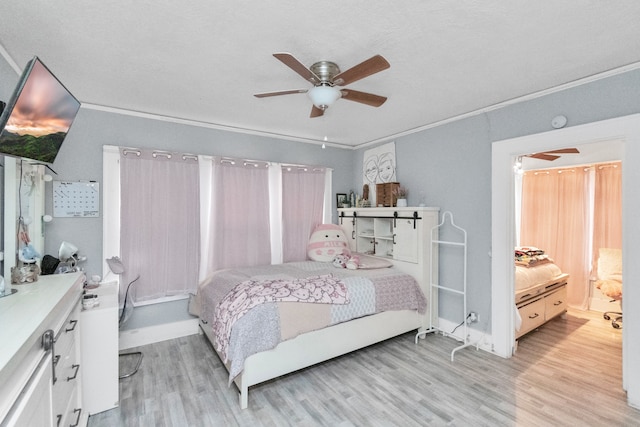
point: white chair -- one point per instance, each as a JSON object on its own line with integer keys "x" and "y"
{"x": 610, "y": 281}
{"x": 116, "y": 266}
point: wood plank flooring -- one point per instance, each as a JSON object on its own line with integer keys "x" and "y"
{"x": 566, "y": 373}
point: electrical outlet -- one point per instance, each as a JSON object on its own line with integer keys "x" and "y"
{"x": 473, "y": 317}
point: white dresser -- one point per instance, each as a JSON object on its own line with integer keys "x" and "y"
{"x": 40, "y": 367}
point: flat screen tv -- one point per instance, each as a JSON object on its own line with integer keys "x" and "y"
{"x": 38, "y": 116}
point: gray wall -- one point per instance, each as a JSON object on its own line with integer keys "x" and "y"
{"x": 81, "y": 159}
{"x": 450, "y": 165}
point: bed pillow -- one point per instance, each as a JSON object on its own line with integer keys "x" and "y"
{"x": 327, "y": 241}
{"x": 368, "y": 262}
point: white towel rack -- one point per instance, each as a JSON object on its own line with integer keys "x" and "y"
{"x": 435, "y": 286}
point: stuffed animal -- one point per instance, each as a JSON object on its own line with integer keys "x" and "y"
{"x": 353, "y": 263}
{"x": 340, "y": 261}
{"x": 327, "y": 241}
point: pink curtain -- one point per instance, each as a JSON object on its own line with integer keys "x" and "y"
{"x": 302, "y": 203}
{"x": 159, "y": 214}
{"x": 556, "y": 219}
{"x": 240, "y": 229}
{"x": 607, "y": 216}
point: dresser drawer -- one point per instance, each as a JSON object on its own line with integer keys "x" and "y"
{"x": 67, "y": 369}
{"x": 68, "y": 332}
{"x": 532, "y": 316}
{"x": 71, "y": 414}
{"x": 555, "y": 303}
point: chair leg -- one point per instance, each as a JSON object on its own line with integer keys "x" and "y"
{"x": 615, "y": 317}
{"x": 616, "y": 322}
{"x": 138, "y": 354}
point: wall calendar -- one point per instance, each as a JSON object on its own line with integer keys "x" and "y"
{"x": 76, "y": 199}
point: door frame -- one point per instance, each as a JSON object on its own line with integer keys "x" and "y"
{"x": 626, "y": 130}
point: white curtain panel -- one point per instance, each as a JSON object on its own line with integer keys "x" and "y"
{"x": 303, "y": 191}
{"x": 239, "y": 215}
{"x": 160, "y": 227}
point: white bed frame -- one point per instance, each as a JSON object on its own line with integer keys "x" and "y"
{"x": 318, "y": 346}
{"x": 321, "y": 345}
{"x": 324, "y": 344}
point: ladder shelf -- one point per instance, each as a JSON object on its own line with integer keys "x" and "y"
{"x": 433, "y": 285}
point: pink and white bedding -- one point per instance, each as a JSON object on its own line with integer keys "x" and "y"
{"x": 527, "y": 277}
{"x": 533, "y": 268}
{"x": 253, "y": 309}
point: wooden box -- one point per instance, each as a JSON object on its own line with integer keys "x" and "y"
{"x": 386, "y": 194}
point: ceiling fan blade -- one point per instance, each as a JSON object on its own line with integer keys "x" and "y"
{"x": 291, "y": 62}
{"x": 316, "y": 112}
{"x": 564, "y": 151}
{"x": 371, "y": 66}
{"x": 282, "y": 92}
{"x": 363, "y": 97}
{"x": 543, "y": 156}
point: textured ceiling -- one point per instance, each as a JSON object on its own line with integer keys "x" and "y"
{"x": 202, "y": 60}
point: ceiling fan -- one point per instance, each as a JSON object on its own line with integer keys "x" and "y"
{"x": 552, "y": 155}
{"x": 325, "y": 76}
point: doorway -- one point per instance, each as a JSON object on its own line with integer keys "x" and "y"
{"x": 624, "y": 131}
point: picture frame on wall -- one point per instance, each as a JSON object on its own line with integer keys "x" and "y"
{"x": 341, "y": 199}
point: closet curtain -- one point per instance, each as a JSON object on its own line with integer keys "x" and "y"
{"x": 607, "y": 213}
{"x": 571, "y": 214}
{"x": 556, "y": 218}
{"x": 159, "y": 223}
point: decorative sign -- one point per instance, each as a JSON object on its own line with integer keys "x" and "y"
{"x": 79, "y": 199}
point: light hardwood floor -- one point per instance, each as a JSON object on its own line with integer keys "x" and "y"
{"x": 567, "y": 373}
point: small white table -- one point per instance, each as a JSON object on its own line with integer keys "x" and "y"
{"x": 100, "y": 390}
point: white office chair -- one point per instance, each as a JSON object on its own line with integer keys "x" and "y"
{"x": 116, "y": 266}
{"x": 610, "y": 281}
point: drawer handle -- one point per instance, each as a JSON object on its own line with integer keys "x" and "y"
{"x": 48, "y": 343}
{"x": 73, "y": 325}
{"x": 534, "y": 316}
{"x": 557, "y": 303}
{"x": 75, "y": 374}
{"x": 78, "y": 411}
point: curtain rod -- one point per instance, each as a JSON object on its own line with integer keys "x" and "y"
{"x": 221, "y": 159}
{"x": 613, "y": 163}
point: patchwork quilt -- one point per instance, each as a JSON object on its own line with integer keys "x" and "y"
{"x": 254, "y": 309}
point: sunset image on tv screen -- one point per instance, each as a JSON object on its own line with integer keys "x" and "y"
{"x": 40, "y": 118}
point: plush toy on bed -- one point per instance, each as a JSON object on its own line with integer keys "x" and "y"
{"x": 353, "y": 263}
{"x": 345, "y": 261}
{"x": 340, "y": 261}
{"x": 326, "y": 242}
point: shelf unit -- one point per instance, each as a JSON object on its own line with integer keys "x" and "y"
{"x": 434, "y": 285}
{"x": 399, "y": 234}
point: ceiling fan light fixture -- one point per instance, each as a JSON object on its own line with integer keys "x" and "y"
{"x": 324, "y": 96}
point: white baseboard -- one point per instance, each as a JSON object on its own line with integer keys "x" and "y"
{"x": 602, "y": 305}
{"x": 156, "y": 333}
